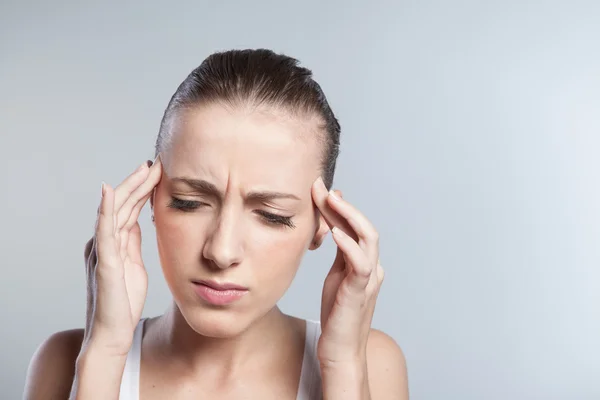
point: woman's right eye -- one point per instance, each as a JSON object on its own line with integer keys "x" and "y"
{"x": 185, "y": 205}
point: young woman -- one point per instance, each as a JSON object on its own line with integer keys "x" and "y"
{"x": 239, "y": 191}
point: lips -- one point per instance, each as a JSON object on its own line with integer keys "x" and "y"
{"x": 221, "y": 286}
{"x": 219, "y": 294}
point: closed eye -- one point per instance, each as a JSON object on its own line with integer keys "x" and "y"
{"x": 269, "y": 218}
{"x": 185, "y": 205}
{"x": 275, "y": 219}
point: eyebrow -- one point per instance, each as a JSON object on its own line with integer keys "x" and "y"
{"x": 208, "y": 188}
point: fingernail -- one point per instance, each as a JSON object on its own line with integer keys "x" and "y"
{"x": 103, "y": 190}
{"x": 321, "y": 183}
{"x": 149, "y": 162}
{"x": 334, "y": 196}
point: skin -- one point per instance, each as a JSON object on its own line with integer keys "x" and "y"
{"x": 248, "y": 349}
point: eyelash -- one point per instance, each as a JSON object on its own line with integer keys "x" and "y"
{"x": 191, "y": 205}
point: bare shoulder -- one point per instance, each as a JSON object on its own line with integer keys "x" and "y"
{"x": 52, "y": 367}
{"x": 387, "y": 367}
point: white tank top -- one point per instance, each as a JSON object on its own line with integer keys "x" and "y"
{"x": 310, "y": 376}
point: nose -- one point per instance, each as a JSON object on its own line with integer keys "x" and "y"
{"x": 223, "y": 247}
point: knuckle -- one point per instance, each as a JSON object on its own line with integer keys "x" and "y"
{"x": 369, "y": 234}
{"x": 364, "y": 273}
{"x": 126, "y": 225}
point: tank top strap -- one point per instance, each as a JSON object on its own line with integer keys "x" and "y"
{"x": 130, "y": 382}
{"x": 310, "y": 376}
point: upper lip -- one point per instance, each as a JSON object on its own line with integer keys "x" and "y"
{"x": 221, "y": 285}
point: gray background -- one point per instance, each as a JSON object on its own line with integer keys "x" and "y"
{"x": 470, "y": 138}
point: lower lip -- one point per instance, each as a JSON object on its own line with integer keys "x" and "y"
{"x": 218, "y": 297}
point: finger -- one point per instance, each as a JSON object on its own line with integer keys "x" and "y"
{"x": 320, "y": 194}
{"x": 380, "y": 274}
{"x": 360, "y": 272}
{"x": 105, "y": 238}
{"x": 366, "y": 232}
{"x": 135, "y": 212}
{"x": 134, "y": 245}
{"x": 375, "y": 280}
{"x": 123, "y": 236}
{"x": 141, "y": 192}
{"x": 125, "y": 188}
{"x": 374, "y": 287}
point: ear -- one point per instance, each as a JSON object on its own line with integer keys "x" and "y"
{"x": 322, "y": 229}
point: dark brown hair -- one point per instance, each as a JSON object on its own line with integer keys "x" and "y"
{"x": 258, "y": 77}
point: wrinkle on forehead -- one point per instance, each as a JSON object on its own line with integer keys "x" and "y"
{"x": 261, "y": 147}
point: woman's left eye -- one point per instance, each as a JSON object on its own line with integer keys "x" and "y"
{"x": 275, "y": 219}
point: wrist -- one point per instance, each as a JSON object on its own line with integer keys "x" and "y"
{"x": 98, "y": 374}
{"x": 108, "y": 344}
{"x": 348, "y": 381}
{"x": 355, "y": 365}
{"x": 92, "y": 354}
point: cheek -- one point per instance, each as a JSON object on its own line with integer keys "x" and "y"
{"x": 275, "y": 258}
{"x": 175, "y": 234}
{"x": 178, "y": 242}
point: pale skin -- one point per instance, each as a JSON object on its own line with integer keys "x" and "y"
{"x": 211, "y": 224}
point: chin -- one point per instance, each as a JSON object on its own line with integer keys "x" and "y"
{"x": 217, "y": 322}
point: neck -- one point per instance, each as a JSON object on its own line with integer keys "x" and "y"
{"x": 257, "y": 346}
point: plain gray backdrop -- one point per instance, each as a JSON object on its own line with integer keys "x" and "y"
{"x": 471, "y": 139}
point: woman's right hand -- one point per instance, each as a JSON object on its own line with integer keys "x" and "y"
{"x": 117, "y": 281}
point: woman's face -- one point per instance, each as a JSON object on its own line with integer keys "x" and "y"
{"x": 234, "y": 207}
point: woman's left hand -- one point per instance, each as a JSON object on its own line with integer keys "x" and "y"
{"x": 352, "y": 285}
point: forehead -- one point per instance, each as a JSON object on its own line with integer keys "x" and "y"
{"x": 256, "y": 146}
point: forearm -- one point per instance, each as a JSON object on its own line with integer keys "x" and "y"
{"x": 97, "y": 375}
{"x": 345, "y": 383}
